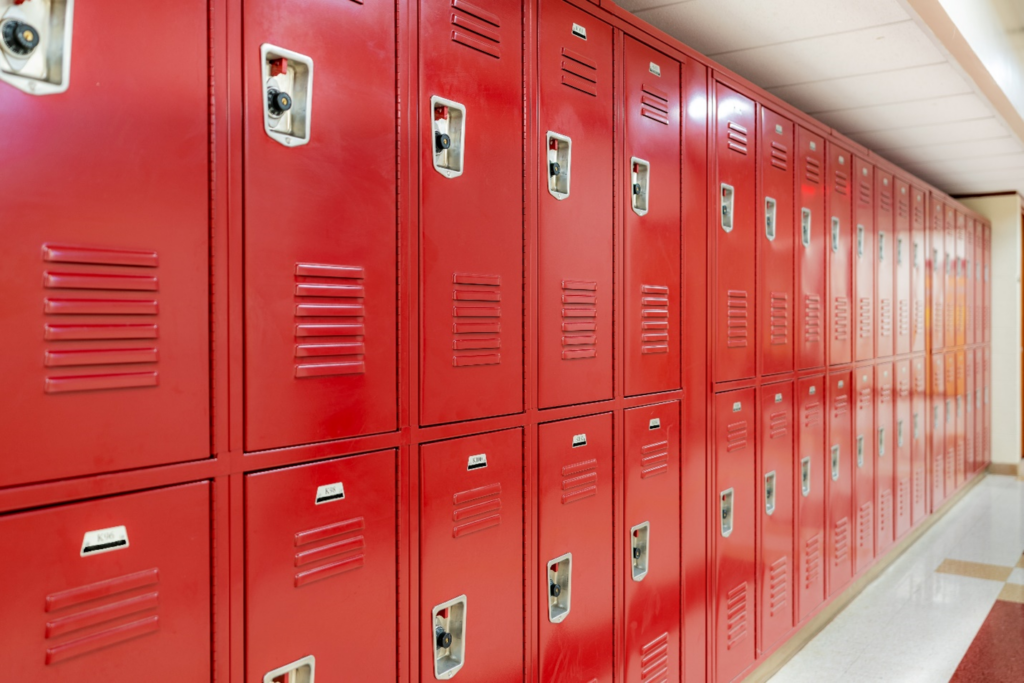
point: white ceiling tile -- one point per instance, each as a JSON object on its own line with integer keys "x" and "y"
{"x": 1000, "y": 165}
{"x": 906, "y": 114}
{"x": 956, "y": 150}
{"x": 961, "y": 131}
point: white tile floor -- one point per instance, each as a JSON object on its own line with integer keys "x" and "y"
{"x": 913, "y": 625}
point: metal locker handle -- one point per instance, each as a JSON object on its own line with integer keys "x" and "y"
{"x": 860, "y": 240}
{"x": 727, "y": 502}
{"x": 769, "y": 493}
{"x": 448, "y": 136}
{"x": 728, "y": 206}
{"x": 805, "y": 227}
{"x": 35, "y": 45}
{"x": 640, "y": 550}
{"x": 300, "y": 671}
{"x": 641, "y": 190}
{"x": 949, "y": 409}
{"x": 287, "y": 95}
{"x": 805, "y": 477}
{"x": 959, "y": 407}
{"x": 881, "y": 246}
{"x": 860, "y": 450}
{"x": 769, "y": 218}
{"x": 559, "y": 163}
{"x": 917, "y": 255}
{"x": 899, "y": 251}
{"x": 835, "y": 462}
{"x": 448, "y": 633}
{"x": 881, "y": 442}
{"x": 935, "y": 417}
{"x": 899, "y": 433}
{"x": 835, "y": 234}
{"x": 559, "y": 588}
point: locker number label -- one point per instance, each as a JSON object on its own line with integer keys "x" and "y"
{"x": 778, "y": 398}
{"x": 579, "y": 31}
{"x": 737, "y": 407}
{"x": 655, "y": 423}
{"x": 655, "y": 69}
{"x": 330, "y": 492}
{"x": 477, "y": 462}
{"x": 104, "y": 540}
{"x": 579, "y": 440}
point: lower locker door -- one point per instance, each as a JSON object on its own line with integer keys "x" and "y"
{"x": 919, "y": 442}
{"x": 902, "y": 439}
{"x": 840, "y": 483}
{"x": 864, "y": 456}
{"x": 885, "y": 471}
{"x": 776, "y": 567}
{"x": 809, "y": 481}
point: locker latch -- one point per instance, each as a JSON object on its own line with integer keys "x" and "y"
{"x": 448, "y": 631}
{"x": 805, "y": 477}
{"x": 899, "y": 433}
{"x": 559, "y": 164}
{"x": 835, "y": 463}
{"x": 35, "y": 45}
{"x": 949, "y": 410}
{"x": 881, "y": 246}
{"x": 899, "y": 251}
{"x": 917, "y": 255}
{"x": 448, "y": 136}
{"x": 641, "y": 175}
{"x": 805, "y": 227}
{"x": 728, "y": 206}
{"x": 769, "y": 492}
{"x": 727, "y": 499}
{"x": 860, "y": 241}
{"x": 860, "y": 450}
{"x": 640, "y": 542}
{"x": 559, "y": 588}
{"x": 287, "y": 95}
{"x": 301, "y": 671}
{"x": 917, "y": 426}
{"x": 935, "y": 417}
{"x": 881, "y": 442}
{"x": 959, "y": 407}
{"x": 835, "y": 234}
{"x": 769, "y": 218}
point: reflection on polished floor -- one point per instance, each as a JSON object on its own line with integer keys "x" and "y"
{"x": 951, "y": 608}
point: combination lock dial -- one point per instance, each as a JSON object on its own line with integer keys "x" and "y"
{"x": 19, "y": 37}
{"x": 278, "y": 102}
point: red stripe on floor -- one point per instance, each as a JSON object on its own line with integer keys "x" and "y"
{"x": 996, "y": 654}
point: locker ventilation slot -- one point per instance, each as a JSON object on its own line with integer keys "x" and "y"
{"x": 579, "y": 72}
{"x": 579, "y": 319}
{"x": 778, "y": 425}
{"x": 476, "y": 509}
{"x": 118, "y": 610}
{"x": 476, "y": 326}
{"x": 812, "y": 561}
{"x": 100, "y": 332}
{"x": 778, "y": 586}
{"x": 842, "y": 185}
{"x": 780, "y": 156}
{"x": 902, "y": 208}
{"x": 812, "y": 319}
{"x": 864, "y": 399}
{"x": 736, "y": 436}
{"x": 885, "y": 200}
{"x": 812, "y": 414}
{"x": 884, "y": 514}
{"x": 919, "y": 319}
{"x": 736, "y": 615}
{"x": 885, "y": 394}
{"x": 654, "y": 104}
{"x": 865, "y": 527}
{"x": 654, "y": 660}
{"x": 901, "y": 498}
{"x": 737, "y": 138}
{"x": 736, "y": 319}
{"x": 654, "y": 323}
{"x": 841, "y": 405}
{"x": 654, "y": 459}
{"x": 864, "y": 315}
{"x": 476, "y": 28}
{"x": 329, "y": 320}
{"x": 813, "y": 171}
{"x": 865, "y": 193}
{"x": 885, "y": 317}
{"x": 779, "y": 322}
{"x": 841, "y": 324}
{"x": 579, "y": 481}
{"x": 334, "y": 549}
{"x": 918, "y": 214}
{"x": 841, "y": 541}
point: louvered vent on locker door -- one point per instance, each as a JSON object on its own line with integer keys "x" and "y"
{"x": 476, "y": 325}
{"x": 334, "y": 549}
{"x": 918, "y": 486}
{"x": 88, "y": 611}
{"x": 812, "y": 561}
{"x": 579, "y": 72}
{"x": 736, "y": 317}
{"x": 778, "y": 425}
{"x": 841, "y": 405}
{"x": 579, "y": 481}
{"x": 885, "y": 513}
{"x": 579, "y": 319}
{"x": 100, "y": 326}
{"x": 841, "y": 541}
{"x": 841, "y": 324}
{"x": 903, "y": 317}
{"x": 476, "y": 28}
{"x": 919, "y": 318}
{"x": 901, "y": 497}
{"x": 842, "y": 183}
{"x": 865, "y": 527}
{"x": 780, "y": 156}
{"x": 779, "y": 318}
{"x": 736, "y": 436}
{"x": 654, "y": 459}
{"x": 918, "y": 214}
{"x": 885, "y": 198}
{"x": 903, "y": 206}
{"x": 885, "y": 317}
{"x": 654, "y": 324}
{"x": 812, "y": 319}
{"x": 736, "y": 615}
{"x": 654, "y": 660}
{"x": 654, "y": 104}
{"x": 864, "y": 316}
{"x": 329, "y": 320}
{"x": 812, "y": 170}
{"x": 864, "y": 196}
{"x": 778, "y": 586}
{"x": 476, "y": 509}
{"x": 737, "y": 137}
{"x": 812, "y": 414}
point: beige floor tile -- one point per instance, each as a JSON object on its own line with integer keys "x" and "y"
{"x": 1021, "y": 563}
{"x": 975, "y": 570}
{"x": 1012, "y": 592}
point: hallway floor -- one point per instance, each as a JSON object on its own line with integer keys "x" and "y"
{"x": 951, "y": 608}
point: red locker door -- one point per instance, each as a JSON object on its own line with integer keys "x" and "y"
{"x": 575, "y": 543}
{"x": 988, "y": 283}
{"x": 840, "y": 483}
{"x": 951, "y": 423}
{"x": 575, "y": 297}
{"x": 938, "y": 431}
{"x": 738, "y": 500}
{"x": 471, "y": 242}
{"x": 902, "y": 256}
{"x": 885, "y": 270}
{"x": 949, "y": 278}
{"x": 320, "y": 543}
{"x": 979, "y": 283}
{"x": 919, "y": 441}
{"x": 810, "y": 243}
{"x": 970, "y": 265}
{"x": 775, "y": 567}
{"x": 104, "y": 250}
{"x": 937, "y": 259}
{"x": 961, "y": 279}
{"x": 864, "y": 451}
{"x": 987, "y": 402}
{"x": 980, "y": 409}
{"x": 320, "y": 227}
{"x": 471, "y": 550}
{"x": 775, "y": 237}
{"x": 650, "y": 543}
{"x": 864, "y": 260}
{"x": 840, "y": 238}
{"x": 809, "y": 481}
{"x": 918, "y": 254}
{"x": 961, "y": 417}
{"x": 969, "y": 415}
{"x": 735, "y": 237}
{"x": 885, "y": 472}
{"x": 133, "y": 603}
{"x": 903, "y": 440}
{"x": 652, "y": 225}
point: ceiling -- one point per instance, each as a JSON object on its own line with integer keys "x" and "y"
{"x": 872, "y": 70}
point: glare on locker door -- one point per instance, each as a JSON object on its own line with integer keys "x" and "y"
{"x": 775, "y": 237}
{"x": 918, "y": 258}
{"x": 902, "y": 439}
{"x": 649, "y": 541}
{"x": 575, "y": 297}
{"x": 961, "y": 278}
{"x": 737, "y": 502}
{"x": 840, "y": 252}
{"x": 734, "y": 314}
{"x": 471, "y": 549}
{"x": 960, "y": 410}
{"x": 919, "y": 423}
{"x": 810, "y": 248}
{"x": 320, "y": 223}
{"x": 937, "y": 423}
{"x": 104, "y": 250}
{"x": 864, "y": 259}
{"x": 902, "y": 258}
{"x": 864, "y": 456}
{"x": 937, "y": 259}
{"x": 574, "y": 566}
{"x": 809, "y": 480}
{"x": 653, "y": 234}
{"x": 949, "y": 277}
{"x": 320, "y": 543}
{"x": 885, "y": 269}
{"x": 471, "y": 206}
{"x": 885, "y": 471}
{"x": 949, "y": 374}
{"x": 839, "y": 481}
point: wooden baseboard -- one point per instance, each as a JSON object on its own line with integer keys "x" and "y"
{"x": 1001, "y": 468}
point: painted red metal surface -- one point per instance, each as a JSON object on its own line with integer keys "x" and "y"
{"x": 902, "y": 438}
{"x": 961, "y": 278}
{"x": 902, "y": 257}
{"x": 839, "y": 482}
{"x": 961, "y": 417}
{"x": 918, "y": 259}
{"x": 980, "y": 409}
{"x": 810, "y": 467}
{"x": 949, "y": 277}
{"x": 970, "y": 415}
{"x": 865, "y": 455}
{"x": 919, "y": 423}
{"x": 885, "y": 264}
{"x": 839, "y": 234}
{"x": 937, "y": 450}
{"x": 937, "y": 259}
{"x": 865, "y": 255}
{"x": 810, "y": 242}
{"x": 949, "y": 402}
{"x": 885, "y": 470}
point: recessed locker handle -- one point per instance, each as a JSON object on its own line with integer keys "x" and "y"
{"x": 727, "y": 499}
{"x": 835, "y": 462}
{"x": 860, "y": 241}
{"x": 949, "y": 410}
{"x": 559, "y": 588}
{"x": 769, "y": 218}
{"x": 448, "y": 633}
{"x": 728, "y": 206}
{"x": 448, "y": 136}
{"x": 641, "y": 187}
{"x": 899, "y": 433}
{"x": 769, "y": 492}
{"x": 35, "y": 45}
{"x": 881, "y": 442}
{"x": 640, "y": 550}
{"x": 805, "y": 226}
{"x": 287, "y": 95}
{"x": 559, "y": 165}
{"x": 881, "y": 246}
{"x": 805, "y": 477}
{"x": 899, "y": 251}
{"x": 300, "y": 671}
{"x": 917, "y": 255}
{"x": 860, "y": 450}
{"x": 835, "y": 234}
{"x": 917, "y": 426}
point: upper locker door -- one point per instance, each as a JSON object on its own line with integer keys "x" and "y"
{"x": 885, "y": 472}
{"x": 105, "y": 246}
{"x": 775, "y": 237}
{"x": 885, "y": 269}
{"x": 864, "y": 259}
{"x": 471, "y": 213}
{"x": 320, "y": 222}
{"x": 961, "y": 278}
{"x": 575, "y": 292}
{"x": 979, "y": 282}
{"x": 987, "y": 319}
{"x": 903, "y": 440}
{"x": 902, "y": 257}
{"x": 970, "y": 265}
{"x": 652, "y": 289}
{"x": 937, "y": 259}
{"x": 840, "y": 268}
{"x": 864, "y": 445}
{"x": 949, "y": 278}
{"x": 918, "y": 254}
{"x": 840, "y": 482}
{"x": 809, "y": 482}
{"x": 735, "y": 244}
{"x": 919, "y": 440}
{"x": 810, "y": 248}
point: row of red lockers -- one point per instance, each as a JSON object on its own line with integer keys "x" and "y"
{"x": 125, "y": 242}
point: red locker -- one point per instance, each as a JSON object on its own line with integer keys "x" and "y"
{"x": 840, "y": 234}
{"x": 471, "y": 210}
{"x": 970, "y": 265}
{"x": 919, "y": 441}
{"x": 104, "y": 251}
{"x": 653, "y": 289}
{"x": 980, "y": 409}
{"x": 961, "y": 417}
{"x": 320, "y": 224}
{"x": 885, "y": 269}
{"x": 980, "y": 320}
{"x": 575, "y": 542}
{"x": 949, "y": 279}
{"x": 864, "y": 260}
{"x": 319, "y": 544}
{"x": 575, "y": 297}
{"x": 810, "y": 241}
{"x": 987, "y": 401}
{"x": 903, "y": 257}
{"x": 775, "y": 566}
{"x": 809, "y": 480}
{"x": 840, "y": 483}
{"x": 650, "y": 542}
{"x": 738, "y": 501}
{"x": 961, "y": 279}
{"x": 471, "y": 550}
{"x": 132, "y": 604}
{"x": 937, "y": 256}
{"x": 864, "y": 454}
{"x": 938, "y": 431}
{"x": 951, "y": 423}
{"x": 735, "y": 237}
{"x": 987, "y": 320}
{"x": 775, "y": 237}
{"x": 885, "y": 472}
{"x": 903, "y": 440}
{"x": 969, "y": 415}
{"x": 918, "y": 288}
